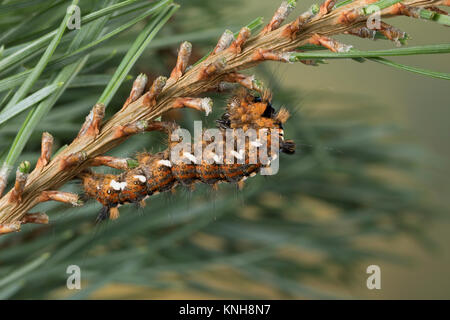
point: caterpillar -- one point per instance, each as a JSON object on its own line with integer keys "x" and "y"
{"x": 156, "y": 173}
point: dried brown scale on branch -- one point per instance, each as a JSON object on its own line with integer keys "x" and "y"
{"x": 329, "y": 43}
{"x": 130, "y": 129}
{"x": 137, "y": 90}
{"x": 37, "y": 218}
{"x": 266, "y": 55}
{"x": 198, "y": 79}
{"x": 73, "y": 160}
{"x": 10, "y": 227}
{"x": 280, "y": 15}
{"x": 294, "y": 27}
{"x": 155, "y": 90}
{"x": 237, "y": 45}
{"x": 113, "y": 162}
{"x": 326, "y": 7}
{"x": 224, "y": 42}
{"x": 60, "y": 196}
{"x": 248, "y": 82}
{"x": 21, "y": 179}
{"x": 182, "y": 62}
{"x": 348, "y": 17}
{"x": 200, "y": 104}
{"x": 401, "y": 9}
{"x": 392, "y": 33}
{"x": 363, "y": 32}
{"x": 46, "y": 150}
{"x": 211, "y": 69}
{"x": 91, "y": 126}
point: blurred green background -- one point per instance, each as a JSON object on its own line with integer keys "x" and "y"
{"x": 368, "y": 184}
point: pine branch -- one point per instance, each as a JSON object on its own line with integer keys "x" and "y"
{"x": 272, "y": 43}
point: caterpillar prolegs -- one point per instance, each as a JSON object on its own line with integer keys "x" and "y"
{"x": 250, "y": 123}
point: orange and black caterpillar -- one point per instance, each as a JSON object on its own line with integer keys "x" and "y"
{"x": 156, "y": 173}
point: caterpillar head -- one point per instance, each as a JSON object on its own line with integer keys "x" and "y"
{"x": 104, "y": 214}
{"x": 105, "y": 188}
{"x": 111, "y": 190}
{"x": 244, "y": 110}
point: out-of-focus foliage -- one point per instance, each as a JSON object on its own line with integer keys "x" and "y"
{"x": 308, "y": 224}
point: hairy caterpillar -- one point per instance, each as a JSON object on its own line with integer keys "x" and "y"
{"x": 159, "y": 172}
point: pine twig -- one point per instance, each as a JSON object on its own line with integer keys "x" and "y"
{"x": 276, "y": 43}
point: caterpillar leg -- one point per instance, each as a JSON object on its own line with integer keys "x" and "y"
{"x": 103, "y": 214}
{"x": 106, "y": 213}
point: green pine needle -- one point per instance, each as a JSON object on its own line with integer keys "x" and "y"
{"x": 28, "y": 102}
{"x": 418, "y": 50}
{"x": 429, "y": 73}
{"x": 376, "y": 55}
{"x": 38, "y": 69}
{"x": 136, "y": 49}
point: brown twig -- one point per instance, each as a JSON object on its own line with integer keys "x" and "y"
{"x": 222, "y": 65}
